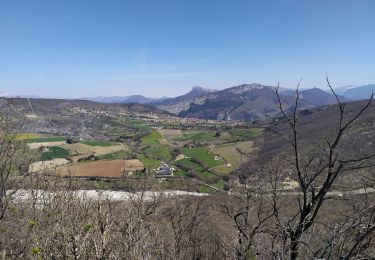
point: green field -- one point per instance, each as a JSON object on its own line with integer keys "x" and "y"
{"x": 202, "y": 154}
{"x": 99, "y": 143}
{"x": 138, "y": 124}
{"x": 201, "y": 173}
{"x": 54, "y": 152}
{"x": 197, "y": 136}
{"x": 160, "y": 152}
{"x": 205, "y": 175}
{"x": 187, "y": 163}
{"x": 148, "y": 162}
{"x": 180, "y": 173}
{"x": 245, "y": 134}
{"x": 46, "y": 139}
{"x": 151, "y": 139}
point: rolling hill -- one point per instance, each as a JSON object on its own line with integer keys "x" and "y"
{"x": 315, "y": 125}
{"x": 49, "y": 105}
{"x": 78, "y": 118}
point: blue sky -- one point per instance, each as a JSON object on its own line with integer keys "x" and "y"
{"x": 76, "y": 48}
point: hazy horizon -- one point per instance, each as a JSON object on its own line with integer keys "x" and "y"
{"x": 82, "y": 48}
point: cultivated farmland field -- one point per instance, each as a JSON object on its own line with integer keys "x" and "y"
{"x": 34, "y": 145}
{"x": 245, "y": 134}
{"x": 54, "y": 152}
{"x": 103, "y": 168}
{"x": 41, "y": 166}
{"x": 231, "y": 153}
{"x": 84, "y": 149}
{"x": 98, "y": 143}
{"x": 170, "y": 133}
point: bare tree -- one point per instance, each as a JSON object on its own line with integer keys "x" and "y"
{"x": 185, "y": 217}
{"x": 317, "y": 174}
{"x": 327, "y": 164}
{"x": 14, "y": 155}
{"x": 273, "y": 222}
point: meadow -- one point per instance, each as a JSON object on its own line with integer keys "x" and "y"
{"x": 202, "y": 154}
{"x": 151, "y": 139}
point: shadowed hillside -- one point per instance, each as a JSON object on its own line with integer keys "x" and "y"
{"x": 319, "y": 123}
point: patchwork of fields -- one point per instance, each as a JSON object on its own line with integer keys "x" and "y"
{"x": 77, "y": 158}
{"x": 204, "y": 155}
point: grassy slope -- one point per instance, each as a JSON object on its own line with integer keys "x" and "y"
{"x": 148, "y": 162}
{"x": 151, "y": 139}
{"x": 202, "y": 154}
{"x": 159, "y": 152}
{"x": 231, "y": 154}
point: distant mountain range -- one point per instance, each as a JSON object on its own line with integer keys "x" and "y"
{"x": 356, "y": 92}
{"x": 251, "y": 102}
{"x": 244, "y": 102}
{"x": 181, "y": 103}
{"x": 139, "y": 99}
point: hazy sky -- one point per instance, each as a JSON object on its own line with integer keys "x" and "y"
{"x": 75, "y": 48}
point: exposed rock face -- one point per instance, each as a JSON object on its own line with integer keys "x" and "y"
{"x": 181, "y": 103}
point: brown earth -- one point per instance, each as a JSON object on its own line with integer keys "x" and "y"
{"x": 83, "y": 149}
{"x": 45, "y": 144}
{"x": 114, "y": 168}
{"x": 170, "y": 133}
